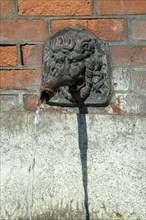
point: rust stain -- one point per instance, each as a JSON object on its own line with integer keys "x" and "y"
{"x": 116, "y": 107}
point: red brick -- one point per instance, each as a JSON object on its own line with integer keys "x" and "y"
{"x": 30, "y": 102}
{"x": 138, "y": 81}
{"x": 32, "y": 54}
{"x": 9, "y": 102}
{"x": 22, "y": 30}
{"x": 20, "y": 79}
{"x": 107, "y": 29}
{"x": 8, "y": 56}
{"x": 6, "y": 7}
{"x": 139, "y": 29}
{"x": 132, "y": 55}
{"x": 54, "y": 7}
{"x": 120, "y": 6}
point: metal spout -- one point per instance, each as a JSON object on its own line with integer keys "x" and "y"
{"x": 53, "y": 85}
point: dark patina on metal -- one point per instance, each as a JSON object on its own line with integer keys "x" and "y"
{"x": 76, "y": 69}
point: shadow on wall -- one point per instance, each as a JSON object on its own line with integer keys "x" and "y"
{"x": 83, "y": 146}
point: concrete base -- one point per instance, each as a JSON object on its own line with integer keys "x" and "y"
{"x": 85, "y": 167}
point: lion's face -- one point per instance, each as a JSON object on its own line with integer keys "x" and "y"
{"x": 72, "y": 57}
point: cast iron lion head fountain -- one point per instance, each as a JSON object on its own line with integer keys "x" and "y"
{"x": 76, "y": 69}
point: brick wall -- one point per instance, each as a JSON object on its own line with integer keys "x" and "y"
{"x": 25, "y": 26}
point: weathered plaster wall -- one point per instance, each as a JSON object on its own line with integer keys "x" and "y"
{"x": 103, "y": 153}
{"x": 97, "y": 164}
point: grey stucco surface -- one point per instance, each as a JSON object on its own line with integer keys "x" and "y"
{"x": 101, "y": 155}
